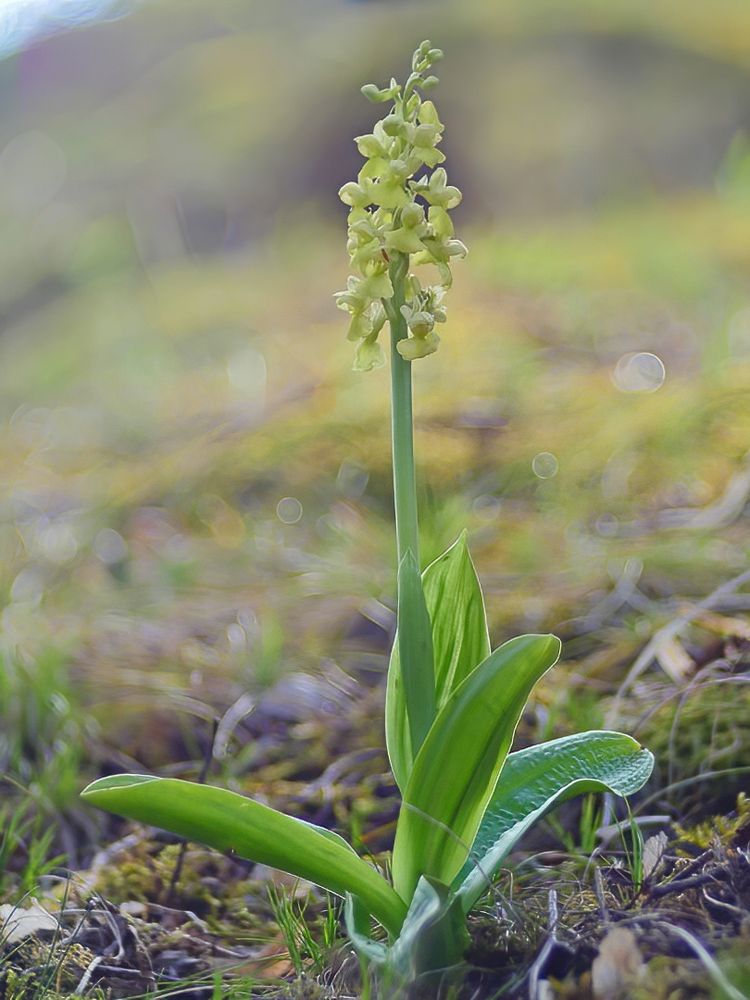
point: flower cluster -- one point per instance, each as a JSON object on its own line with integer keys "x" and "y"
{"x": 397, "y": 219}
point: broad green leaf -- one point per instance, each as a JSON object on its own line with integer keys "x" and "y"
{"x": 536, "y": 780}
{"x": 457, "y": 768}
{"x": 234, "y": 824}
{"x": 415, "y": 651}
{"x": 459, "y": 638}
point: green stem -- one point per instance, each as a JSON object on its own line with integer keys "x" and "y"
{"x": 404, "y": 476}
{"x": 414, "y": 629}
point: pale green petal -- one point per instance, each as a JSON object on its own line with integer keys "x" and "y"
{"x": 451, "y": 197}
{"x": 429, "y": 156}
{"x": 359, "y": 327}
{"x": 440, "y": 222}
{"x": 446, "y": 197}
{"x": 446, "y": 277}
{"x": 428, "y": 114}
{"x": 412, "y": 215}
{"x": 375, "y": 167}
{"x": 404, "y": 240}
{"x": 377, "y": 286}
{"x": 418, "y": 347}
{"x": 368, "y": 253}
{"x": 377, "y": 318}
{"x": 438, "y": 180}
{"x": 369, "y": 355}
{"x": 426, "y": 135}
{"x": 353, "y": 194}
{"x": 369, "y": 146}
{"x": 387, "y": 195}
{"x": 394, "y": 125}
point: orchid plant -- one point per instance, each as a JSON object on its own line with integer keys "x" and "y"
{"x": 452, "y": 703}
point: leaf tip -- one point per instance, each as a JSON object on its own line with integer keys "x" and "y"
{"x": 115, "y": 782}
{"x": 555, "y": 645}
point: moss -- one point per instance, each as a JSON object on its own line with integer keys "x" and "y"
{"x": 668, "y": 978}
{"x": 37, "y": 968}
{"x": 725, "y": 829}
{"x": 209, "y": 885}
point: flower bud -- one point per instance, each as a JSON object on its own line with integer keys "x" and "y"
{"x": 377, "y": 94}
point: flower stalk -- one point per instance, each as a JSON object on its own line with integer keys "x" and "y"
{"x": 402, "y": 424}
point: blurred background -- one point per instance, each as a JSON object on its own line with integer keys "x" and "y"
{"x": 195, "y": 499}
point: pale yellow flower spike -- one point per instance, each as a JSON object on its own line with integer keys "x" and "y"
{"x": 395, "y": 212}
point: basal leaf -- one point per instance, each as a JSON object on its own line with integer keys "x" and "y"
{"x": 457, "y": 768}
{"x": 460, "y": 642}
{"x": 536, "y": 780}
{"x": 238, "y": 825}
